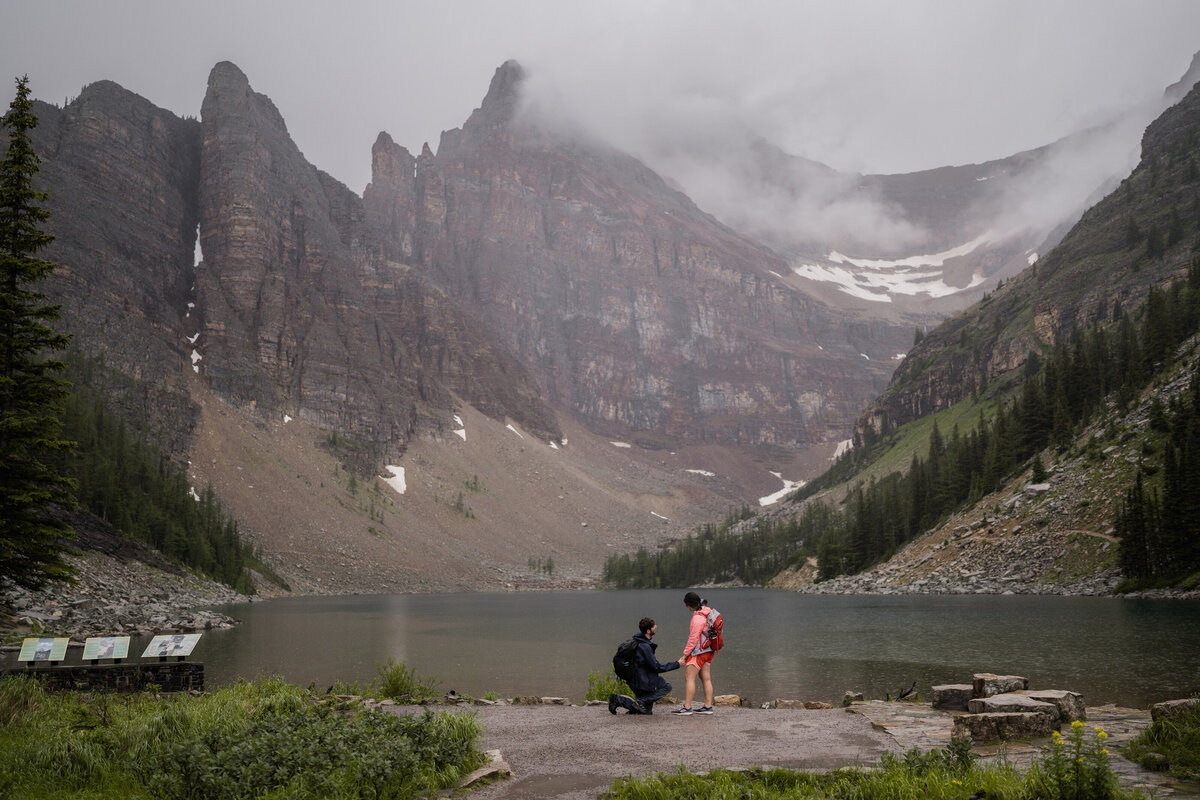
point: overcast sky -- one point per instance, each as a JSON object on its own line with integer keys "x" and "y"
{"x": 879, "y": 86}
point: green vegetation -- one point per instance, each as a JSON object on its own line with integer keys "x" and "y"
{"x": 33, "y": 486}
{"x": 1159, "y": 522}
{"x": 1075, "y": 768}
{"x": 1171, "y": 743}
{"x": 133, "y": 486}
{"x": 266, "y": 739}
{"x": 543, "y": 565}
{"x": 602, "y": 683}
{"x": 400, "y": 682}
{"x": 949, "y": 774}
{"x": 1060, "y": 395}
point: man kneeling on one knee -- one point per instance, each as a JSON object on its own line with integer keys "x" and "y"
{"x": 648, "y": 684}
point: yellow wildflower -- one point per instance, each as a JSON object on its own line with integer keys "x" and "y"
{"x": 1104, "y": 752}
{"x": 1076, "y": 725}
{"x": 1100, "y": 734}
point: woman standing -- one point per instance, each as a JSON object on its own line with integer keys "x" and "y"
{"x": 697, "y": 657}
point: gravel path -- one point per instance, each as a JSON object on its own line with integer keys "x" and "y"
{"x": 576, "y": 752}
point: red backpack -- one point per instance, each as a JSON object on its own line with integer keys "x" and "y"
{"x": 713, "y": 636}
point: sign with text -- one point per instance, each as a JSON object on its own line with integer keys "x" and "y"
{"x": 97, "y": 647}
{"x": 44, "y": 649}
{"x": 172, "y": 644}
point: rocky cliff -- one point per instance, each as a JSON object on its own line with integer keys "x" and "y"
{"x": 635, "y": 310}
{"x": 302, "y": 313}
{"x": 122, "y": 176}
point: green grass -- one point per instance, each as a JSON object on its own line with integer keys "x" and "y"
{"x": 1170, "y": 744}
{"x": 949, "y": 774}
{"x": 266, "y": 739}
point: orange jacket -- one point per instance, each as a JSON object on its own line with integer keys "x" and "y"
{"x": 697, "y": 642}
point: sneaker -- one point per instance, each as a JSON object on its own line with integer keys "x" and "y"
{"x": 683, "y": 711}
{"x": 704, "y": 710}
{"x": 612, "y": 704}
{"x": 638, "y": 708}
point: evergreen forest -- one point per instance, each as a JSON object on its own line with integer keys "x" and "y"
{"x": 136, "y": 488}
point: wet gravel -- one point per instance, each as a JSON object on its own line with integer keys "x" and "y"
{"x": 576, "y": 752}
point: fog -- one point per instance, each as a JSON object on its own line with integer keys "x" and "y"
{"x": 861, "y": 86}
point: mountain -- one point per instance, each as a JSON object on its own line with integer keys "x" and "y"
{"x": 638, "y": 312}
{"x": 1135, "y": 238}
{"x": 525, "y": 348}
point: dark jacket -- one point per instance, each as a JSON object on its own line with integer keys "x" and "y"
{"x": 647, "y": 678}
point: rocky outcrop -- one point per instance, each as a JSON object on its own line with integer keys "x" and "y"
{"x": 303, "y": 314}
{"x": 632, "y": 307}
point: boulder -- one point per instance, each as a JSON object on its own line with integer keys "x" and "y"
{"x": 952, "y": 696}
{"x": 1070, "y": 704}
{"x": 986, "y": 684}
{"x": 526, "y": 700}
{"x": 785, "y": 703}
{"x": 852, "y": 697}
{"x": 1172, "y": 708}
{"x": 1003, "y": 703}
{"x": 495, "y": 768}
{"x": 991, "y": 727}
{"x": 812, "y": 705}
{"x": 556, "y": 701}
{"x": 730, "y": 700}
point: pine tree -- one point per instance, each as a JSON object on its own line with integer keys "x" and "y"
{"x": 32, "y": 396}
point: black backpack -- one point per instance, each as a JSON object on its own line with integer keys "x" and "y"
{"x": 624, "y": 662}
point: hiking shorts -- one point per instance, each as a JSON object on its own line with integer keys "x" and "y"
{"x": 700, "y": 660}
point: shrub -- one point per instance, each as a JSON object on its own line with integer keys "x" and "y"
{"x": 400, "y": 682}
{"x": 1075, "y": 768}
{"x": 1170, "y": 743}
{"x": 266, "y": 739}
{"x": 602, "y": 683}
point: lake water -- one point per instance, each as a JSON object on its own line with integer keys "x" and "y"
{"x": 778, "y": 644}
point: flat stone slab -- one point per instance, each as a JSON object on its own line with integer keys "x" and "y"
{"x": 1013, "y": 703}
{"x": 952, "y": 696}
{"x": 1070, "y": 704}
{"x": 1002, "y": 726}
{"x": 495, "y": 769}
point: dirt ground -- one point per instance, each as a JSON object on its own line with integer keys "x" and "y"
{"x": 576, "y": 752}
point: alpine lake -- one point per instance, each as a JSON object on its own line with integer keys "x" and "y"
{"x": 1128, "y": 652}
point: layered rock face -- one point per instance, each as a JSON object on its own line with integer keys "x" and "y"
{"x": 294, "y": 310}
{"x": 634, "y": 309}
{"x": 122, "y": 178}
{"x": 302, "y": 313}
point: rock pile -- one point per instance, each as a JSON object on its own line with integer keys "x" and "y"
{"x": 113, "y": 597}
{"x": 1002, "y": 707}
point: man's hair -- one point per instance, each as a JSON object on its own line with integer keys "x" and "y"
{"x": 646, "y": 624}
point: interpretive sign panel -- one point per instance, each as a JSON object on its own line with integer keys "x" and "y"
{"x": 172, "y": 644}
{"x": 44, "y": 649}
{"x": 97, "y": 647}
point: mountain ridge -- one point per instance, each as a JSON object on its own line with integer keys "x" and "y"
{"x": 547, "y": 282}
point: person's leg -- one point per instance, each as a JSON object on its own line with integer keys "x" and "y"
{"x": 706, "y": 679}
{"x": 649, "y": 700}
{"x": 689, "y": 691}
